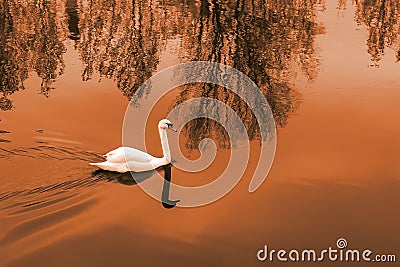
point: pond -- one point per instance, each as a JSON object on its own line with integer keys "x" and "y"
{"x": 69, "y": 69}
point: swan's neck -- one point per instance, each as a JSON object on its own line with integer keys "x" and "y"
{"x": 164, "y": 144}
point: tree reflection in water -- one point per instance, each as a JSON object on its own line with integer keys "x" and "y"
{"x": 121, "y": 40}
{"x": 271, "y": 42}
{"x": 31, "y": 39}
{"x": 381, "y": 18}
{"x": 266, "y": 42}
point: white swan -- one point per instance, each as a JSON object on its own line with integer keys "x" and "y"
{"x": 124, "y": 159}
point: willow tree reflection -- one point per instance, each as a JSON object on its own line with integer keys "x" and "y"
{"x": 30, "y": 40}
{"x": 120, "y": 40}
{"x": 382, "y": 19}
{"x": 268, "y": 42}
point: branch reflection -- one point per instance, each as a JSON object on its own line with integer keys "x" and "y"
{"x": 31, "y": 39}
{"x": 381, "y": 17}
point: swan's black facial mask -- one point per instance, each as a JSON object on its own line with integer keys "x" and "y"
{"x": 170, "y": 127}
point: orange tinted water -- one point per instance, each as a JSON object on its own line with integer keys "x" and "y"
{"x": 333, "y": 93}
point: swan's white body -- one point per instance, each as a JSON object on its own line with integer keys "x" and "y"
{"x": 124, "y": 159}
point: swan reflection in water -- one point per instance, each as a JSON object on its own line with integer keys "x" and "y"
{"x": 133, "y": 178}
{"x": 141, "y": 165}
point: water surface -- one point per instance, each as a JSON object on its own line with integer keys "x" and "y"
{"x": 69, "y": 68}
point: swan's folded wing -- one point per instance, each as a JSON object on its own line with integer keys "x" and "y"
{"x": 123, "y": 154}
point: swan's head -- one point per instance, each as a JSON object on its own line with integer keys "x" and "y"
{"x": 166, "y": 124}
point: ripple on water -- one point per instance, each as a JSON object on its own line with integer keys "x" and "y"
{"x": 72, "y": 181}
{"x": 32, "y": 226}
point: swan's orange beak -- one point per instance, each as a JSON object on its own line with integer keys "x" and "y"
{"x": 172, "y": 128}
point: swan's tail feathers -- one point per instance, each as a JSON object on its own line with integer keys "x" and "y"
{"x": 96, "y": 163}
{"x": 101, "y": 165}
{"x": 108, "y": 166}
